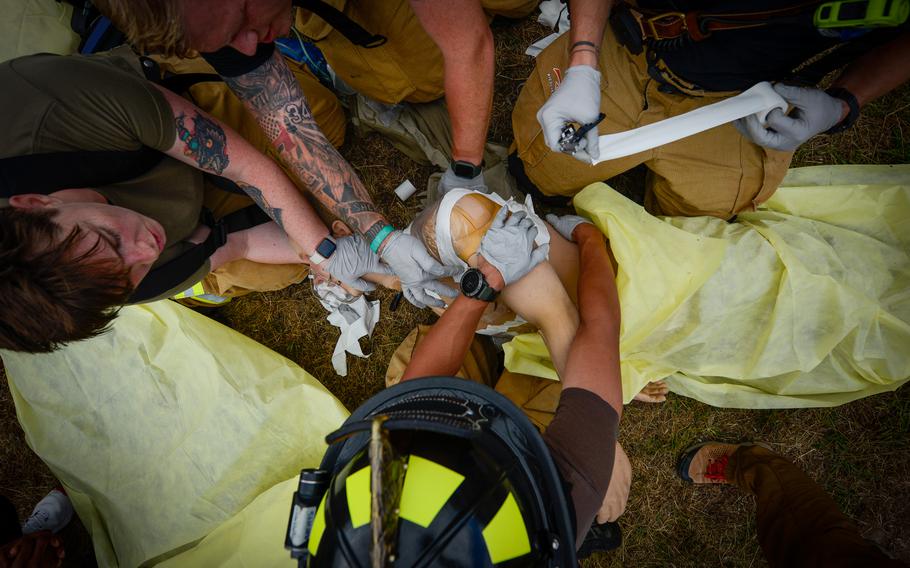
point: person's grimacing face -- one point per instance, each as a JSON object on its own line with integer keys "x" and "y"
{"x": 242, "y": 24}
{"x": 119, "y": 234}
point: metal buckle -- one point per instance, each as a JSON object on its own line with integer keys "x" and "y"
{"x": 677, "y": 15}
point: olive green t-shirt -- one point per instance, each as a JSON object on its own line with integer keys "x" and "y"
{"x": 51, "y": 103}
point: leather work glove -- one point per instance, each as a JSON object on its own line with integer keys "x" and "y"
{"x": 417, "y": 270}
{"x": 576, "y": 100}
{"x": 351, "y": 260}
{"x": 450, "y": 181}
{"x": 509, "y": 245}
{"x": 814, "y": 111}
{"x": 566, "y": 224}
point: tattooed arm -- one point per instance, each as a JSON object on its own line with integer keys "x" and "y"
{"x": 274, "y": 97}
{"x": 272, "y": 94}
{"x": 205, "y": 143}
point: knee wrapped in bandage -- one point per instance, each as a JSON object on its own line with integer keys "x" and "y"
{"x": 452, "y": 229}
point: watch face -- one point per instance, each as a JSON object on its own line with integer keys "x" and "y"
{"x": 466, "y": 170}
{"x": 471, "y": 282}
{"x": 326, "y": 248}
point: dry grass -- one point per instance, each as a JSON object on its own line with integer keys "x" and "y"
{"x": 859, "y": 452}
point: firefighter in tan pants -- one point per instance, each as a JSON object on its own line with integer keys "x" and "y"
{"x": 685, "y": 60}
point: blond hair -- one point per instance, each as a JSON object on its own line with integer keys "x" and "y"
{"x": 154, "y": 26}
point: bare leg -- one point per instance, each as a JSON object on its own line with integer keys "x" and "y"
{"x": 564, "y": 259}
{"x": 541, "y": 300}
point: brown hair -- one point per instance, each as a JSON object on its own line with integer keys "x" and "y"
{"x": 48, "y": 294}
{"x": 150, "y": 25}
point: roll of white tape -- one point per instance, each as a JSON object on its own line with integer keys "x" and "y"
{"x": 405, "y": 190}
{"x": 760, "y": 99}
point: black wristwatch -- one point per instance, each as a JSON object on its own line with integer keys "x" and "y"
{"x": 474, "y": 285}
{"x": 847, "y": 97}
{"x": 466, "y": 170}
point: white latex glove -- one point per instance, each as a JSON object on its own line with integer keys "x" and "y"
{"x": 509, "y": 245}
{"x": 576, "y": 100}
{"x": 450, "y": 181}
{"x": 566, "y": 224}
{"x": 417, "y": 270}
{"x": 814, "y": 111}
{"x": 351, "y": 260}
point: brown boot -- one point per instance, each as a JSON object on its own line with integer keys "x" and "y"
{"x": 707, "y": 462}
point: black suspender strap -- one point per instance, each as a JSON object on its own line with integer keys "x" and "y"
{"x": 176, "y": 271}
{"x": 181, "y": 83}
{"x": 50, "y": 172}
{"x": 347, "y": 27}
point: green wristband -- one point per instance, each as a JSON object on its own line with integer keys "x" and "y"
{"x": 380, "y": 236}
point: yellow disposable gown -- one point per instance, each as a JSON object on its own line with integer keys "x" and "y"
{"x": 169, "y": 426}
{"x": 805, "y": 302}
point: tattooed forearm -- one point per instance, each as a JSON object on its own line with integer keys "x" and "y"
{"x": 256, "y": 194}
{"x": 271, "y": 92}
{"x": 205, "y": 143}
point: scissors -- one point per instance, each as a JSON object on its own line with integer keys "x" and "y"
{"x": 571, "y": 136}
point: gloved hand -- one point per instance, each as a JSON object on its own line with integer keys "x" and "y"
{"x": 450, "y": 181}
{"x": 351, "y": 260}
{"x": 576, "y": 100}
{"x": 814, "y": 111}
{"x": 509, "y": 245}
{"x": 566, "y": 224}
{"x": 417, "y": 270}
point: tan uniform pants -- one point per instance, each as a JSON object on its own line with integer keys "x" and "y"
{"x": 717, "y": 172}
{"x": 536, "y": 397}
{"x": 409, "y": 66}
{"x": 798, "y": 523}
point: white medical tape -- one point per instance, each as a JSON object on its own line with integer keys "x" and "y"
{"x": 405, "y": 190}
{"x": 444, "y": 244}
{"x": 758, "y": 100}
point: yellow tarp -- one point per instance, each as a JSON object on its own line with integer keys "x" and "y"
{"x": 168, "y": 427}
{"x": 805, "y": 302}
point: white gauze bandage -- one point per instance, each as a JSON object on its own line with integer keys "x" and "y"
{"x": 444, "y": 244}
{"x": 759, "y": 100}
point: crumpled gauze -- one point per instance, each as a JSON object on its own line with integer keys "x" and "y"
{"x": 554, "y": 14}
{"x": 354, "y": 317}
{"x": 802, "y": 303}
{"x": 168, "y": 426}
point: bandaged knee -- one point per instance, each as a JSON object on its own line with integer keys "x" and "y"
{"x": 452, "y": 229}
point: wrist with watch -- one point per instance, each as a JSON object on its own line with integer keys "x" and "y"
{"x": 851, "y": 102}
{"x": 324, "y": 250}
{"x": 466, "y": 170}
{"x": 474, "y": 285}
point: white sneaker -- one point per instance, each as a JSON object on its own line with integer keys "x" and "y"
{"x": 50, "y": 514}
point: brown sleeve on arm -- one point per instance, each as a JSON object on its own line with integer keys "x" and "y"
{"x": 582, "y": 441}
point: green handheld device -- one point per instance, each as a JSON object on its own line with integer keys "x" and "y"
{"x": 861, "y": 14}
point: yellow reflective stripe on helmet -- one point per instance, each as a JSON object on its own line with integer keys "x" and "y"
{"x": 318, "y": 527}
{"x": 357, "y": 488}
{"x": 427, "y": 487}
{"x": 506, "y": 535}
